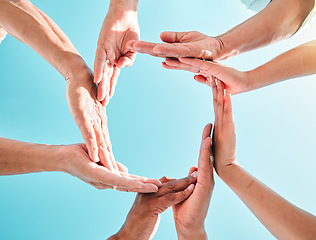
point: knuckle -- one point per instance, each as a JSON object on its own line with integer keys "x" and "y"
{"x": 170, "y": 197}
{"x": 171, "y": 185}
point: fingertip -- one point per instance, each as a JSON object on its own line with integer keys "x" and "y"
{"x": 191, "y": 187}
{"x": 149, "y": 188}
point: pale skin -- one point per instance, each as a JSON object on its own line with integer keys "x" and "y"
{"x": 31, "y": 26}
{"x": 189, "y": 198}
{"x": 297, "y": 62}
{"x": 119, "y": 27}
{"x": 279, "y": 20}
{"x": 280, "y": 217}
{"x": 21, "y": 158}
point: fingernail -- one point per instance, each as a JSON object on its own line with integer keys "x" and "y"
{"x": 194, "y": 174}
{"x": 191, "y": 187}
{"x": 212, "y": 159}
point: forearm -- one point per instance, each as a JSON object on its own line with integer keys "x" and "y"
{"x": 297, "y": 62}
{"x": 126, "y": 4}
{"x": 280, "y": 217}
{"x": 279, "y": 20}
{"x": 31, "y": 26}
{"x": 19, "y": 157}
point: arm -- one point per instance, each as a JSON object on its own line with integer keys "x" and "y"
{"x": 143, "y": 219}
{"x": 189, "y": 215}
{"x": 31, "y": 26}
{"x": 281, "y": 218}
{"x": 20, "y": 158}
{"x": 120, "y": 26}
{"x": 297, "y": 62}
{"x": 279, "y": 20}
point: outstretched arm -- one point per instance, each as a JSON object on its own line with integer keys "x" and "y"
{"x": 20, "y": 158}
{"x": 30, "y": 25}
{"x": 280, "y": 217}
{"x": 297, "y": 62}
{"x": 279, "y": 20}
{"x": 143, "y": 219}
{"x": 119, "y": 27}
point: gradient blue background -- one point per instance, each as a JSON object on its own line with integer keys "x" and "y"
{"x": 156, "y": 119}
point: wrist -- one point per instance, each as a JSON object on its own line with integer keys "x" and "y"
{"x": 140, "y": 223}
{"x": 197, "y": 234}
{"x": 227, "y": 50}
{"x": 124, "y": 5}
{"x": 224, "y": 171}
{"x": 49, "y": 158}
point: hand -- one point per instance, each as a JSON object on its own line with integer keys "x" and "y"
{"x": 143, "y": 218}
{"x": 190, "y": 214}
{"x": 76, "y": 161}
{"x": 119, "y": 27}
{"x": 235, "y": 81}
{"x": 91, "y": 118}
{"x": 181, "y": 44}
{"x": 224, "y": 140}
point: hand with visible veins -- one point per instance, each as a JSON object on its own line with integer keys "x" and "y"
{"x": 143, "y": 219}
{"x": 189, "y": 215}
{"x": 119, "y": 27}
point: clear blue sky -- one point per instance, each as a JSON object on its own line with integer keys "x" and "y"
{"x": 155, "y": 118}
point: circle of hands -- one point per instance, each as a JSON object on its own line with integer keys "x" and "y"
{"x": 87, "y": 96}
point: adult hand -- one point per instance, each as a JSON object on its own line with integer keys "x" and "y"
{"x": 119, "y": 27}
{"x": 181, "y": 44}
{"x": 235, "y": 81}
{"x": 91, "y": 118}
{"x": 224, "y": 142}
{"x": 76, "y": 161}
{"x": 190, "y": 214}
{"x": 143, "y": 218}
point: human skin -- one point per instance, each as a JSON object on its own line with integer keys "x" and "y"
{"x": 143, "y": 219}
{"x": 21, "y": 158}
{"x": 280, "y": 217}
{"x": 31, "y": 26}
{"x": 278, "y": 21}
{"x": 297, "y": 62}
{"x": 119, "y": 27}
{"x": 189, "y": 206}
{"x": 190, "y": 214}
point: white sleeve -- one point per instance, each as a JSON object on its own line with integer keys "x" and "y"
{"x": 256, "y": 5}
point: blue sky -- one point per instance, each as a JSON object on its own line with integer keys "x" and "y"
{"x": 156, "y": 119}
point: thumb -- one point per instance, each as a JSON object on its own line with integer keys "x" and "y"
{"x": 172, "y": 37}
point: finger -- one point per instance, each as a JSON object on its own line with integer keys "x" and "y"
{"x": 176, "y": 185}
{"x": 154, "y": 181}
{"x": 127, "y": 60}
{"x": 174, "y": 50}
{"x": 127, "y": 184}
{"x": 122, "y": 168}
{"x": 89, "y": 137}
{"x": 220, "y": 102}
{"x": 114, "y": 78}
{"x": 180, "y": 65}
{"x": 166, "y": 179}
{"x": 100, "y": 58}
{"x": 207, "y": 68}
{"x": 104, "y": 154}
{"x": 144, "y": 47}
{"x": 172, "y": 37}
{"x": 202, "y": 79}
{"x": 108, "y": 142}
{"x": 215, "y": 99}
{"x": 192, "y": 170}
{"x": 207, "y": 131}
{"x": 171, "y": 199}
{"x": 101, "y": 90}
{"x": 206, "y": 160}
